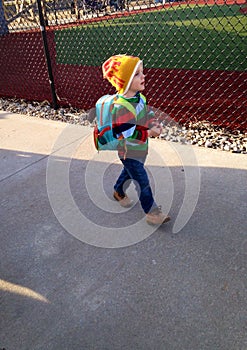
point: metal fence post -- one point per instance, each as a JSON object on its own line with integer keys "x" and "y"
{"x": 47, "y": 55}
{"x": 3, "y": 23}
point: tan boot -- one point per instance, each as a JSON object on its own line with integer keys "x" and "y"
{"x": 124, "y": 201}
{"x": 156, "y": 217}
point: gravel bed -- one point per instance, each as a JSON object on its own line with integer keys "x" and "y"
{"x": 201, "y": 133}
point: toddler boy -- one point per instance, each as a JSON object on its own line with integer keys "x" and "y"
{"x": 125, "y": 73}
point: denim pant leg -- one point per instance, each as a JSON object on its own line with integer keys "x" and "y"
{"x": 135, "y": 169}
{"x": 123, "y": 177}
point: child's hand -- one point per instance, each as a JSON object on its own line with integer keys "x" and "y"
{"x": 154, "y": 131}
{"x": 155, "y": 123}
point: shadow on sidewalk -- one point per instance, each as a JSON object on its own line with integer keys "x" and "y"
{"x": 167, "y": 291}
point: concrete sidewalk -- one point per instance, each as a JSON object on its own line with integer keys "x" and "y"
{"x": 78, "y": 272}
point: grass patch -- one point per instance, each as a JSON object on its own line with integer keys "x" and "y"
{"x": 185, "y": 37}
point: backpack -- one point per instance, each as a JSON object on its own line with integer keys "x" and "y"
{"x": 103, "y": 135}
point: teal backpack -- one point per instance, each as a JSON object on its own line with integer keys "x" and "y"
{"x": 103, "y": 135}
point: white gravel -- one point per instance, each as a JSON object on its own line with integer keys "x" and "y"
{"x": 201, "y": 133}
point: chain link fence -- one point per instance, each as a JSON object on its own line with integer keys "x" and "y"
{"x": 194, "y": 53}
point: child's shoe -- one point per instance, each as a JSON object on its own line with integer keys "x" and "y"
{"x": 156, "y": 217}
{"x": 123, "y": 200}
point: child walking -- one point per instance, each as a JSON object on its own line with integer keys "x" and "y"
{"x": 125, "y": 73}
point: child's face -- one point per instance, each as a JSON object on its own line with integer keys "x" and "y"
{"x": 138, "y": 82}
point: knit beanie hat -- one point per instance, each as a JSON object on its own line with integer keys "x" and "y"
{"x": 119, "y": 70}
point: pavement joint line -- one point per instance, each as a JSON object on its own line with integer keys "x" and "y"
{"x": 38, "y": 160}
{"x": 24, "y": 168}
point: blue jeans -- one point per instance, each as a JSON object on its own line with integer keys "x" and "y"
{"x": 134, "y": 170}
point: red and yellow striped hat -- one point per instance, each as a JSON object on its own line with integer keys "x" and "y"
{"x": 119, "y": 70}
